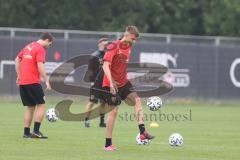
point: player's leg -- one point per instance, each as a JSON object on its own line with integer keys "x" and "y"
{"x": 92, "y": 99}
{"x": 38, "y": 97}
{"x": 28, "y": 101}
{"x": 89, "y": 107}
{"x": 110, "y": 126}
{"x": 138, "y": 109}
{"x": 130, "y": 97}
{"x": 111, "y": 109}
{"x": 97, "y": 87}
{"x": 28, "y": 116}
{"x": 102, "y": 114}
{"x": 39, "y": 115}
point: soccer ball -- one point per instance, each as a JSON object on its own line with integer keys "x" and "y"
{"x": 141, "y": 142}
{"x": 51, "y": 115}
{"x": 175, "y": 139}
{"x": 154, "y": 103}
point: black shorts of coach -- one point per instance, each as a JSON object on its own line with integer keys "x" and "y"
{"x": 122, "y": 94}
{"x": 32, "y": 94}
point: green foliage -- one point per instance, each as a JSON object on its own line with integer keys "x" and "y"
{"x": 222, "y": 18}
{"x": 205, "y": 17}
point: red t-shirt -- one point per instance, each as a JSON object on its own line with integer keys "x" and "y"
{"x": 118, "y": 54}
{"x": 30, "y": 55}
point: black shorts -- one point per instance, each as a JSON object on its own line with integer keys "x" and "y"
{"x": 125, "y": 90}
{"x": 31, "y": 94}
{"x": 122, "y": 94}
{"x": 94, "y": 96}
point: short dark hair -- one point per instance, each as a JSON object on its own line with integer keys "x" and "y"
{"x": 133, "y": 30}
{"x": 46, "y": 35}
{"x": 102, "y": 40}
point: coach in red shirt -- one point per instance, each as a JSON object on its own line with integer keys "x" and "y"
{"x": 115, "y": 80}
{"x": 30, "y": 67}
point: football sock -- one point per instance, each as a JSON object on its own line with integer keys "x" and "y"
{"x": 36, "y": 127}
{"x": 141, "y": 128}
{"x": 86, "y": 119}
{"x": 108, "y": 142}
{"x": 26, "y": 130}
{"x": 101, "y": 118}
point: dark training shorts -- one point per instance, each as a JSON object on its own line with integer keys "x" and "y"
{"x": 122, "y": 94}
{"x": 94, "y": 97}
{"x": 31, "y": 94}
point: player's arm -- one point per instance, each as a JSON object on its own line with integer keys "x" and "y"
{"x": 17, "y": 68}
{"x": 43, "y": 74}
{"x": 107, "y": 60}
{"x": 106, "y": 69}
{"x": 40, "y": 58}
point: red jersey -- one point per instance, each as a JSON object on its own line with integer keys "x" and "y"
{"x": 30, "y": 55}
{"x": 118, "y": 54}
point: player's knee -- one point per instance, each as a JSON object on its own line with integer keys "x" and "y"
{"x": 130, "y": 102}
{"x": 139, "y": 109}
{"x": 30, "y": 109}
{"x": 137, "y": 100}
{"x": 42, "y": 106}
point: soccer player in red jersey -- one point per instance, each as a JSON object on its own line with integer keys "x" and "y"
{"x": 30, "y": 67}
{"x": 115, "y": 80}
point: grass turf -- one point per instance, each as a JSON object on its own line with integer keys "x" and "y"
{"x": 210, "y": 133}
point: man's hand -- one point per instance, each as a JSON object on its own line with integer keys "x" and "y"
{"x": 113, "y": 87}
{"x": 42, "y": 72}
{"x": 48, "y": 86}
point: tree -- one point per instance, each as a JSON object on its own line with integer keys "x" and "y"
{"x": 205, "y": 17}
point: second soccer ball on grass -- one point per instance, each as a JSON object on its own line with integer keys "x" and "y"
{"x": 154, "y": 103}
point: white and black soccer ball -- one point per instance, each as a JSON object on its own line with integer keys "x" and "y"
{"x": 51, "y": 115}
{"x": 175, "y": 139}
{"x": 154, "y": 103}
{"x": 141, "y": 142}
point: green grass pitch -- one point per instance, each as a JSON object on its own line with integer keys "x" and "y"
{"x": 210, "y": 132}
